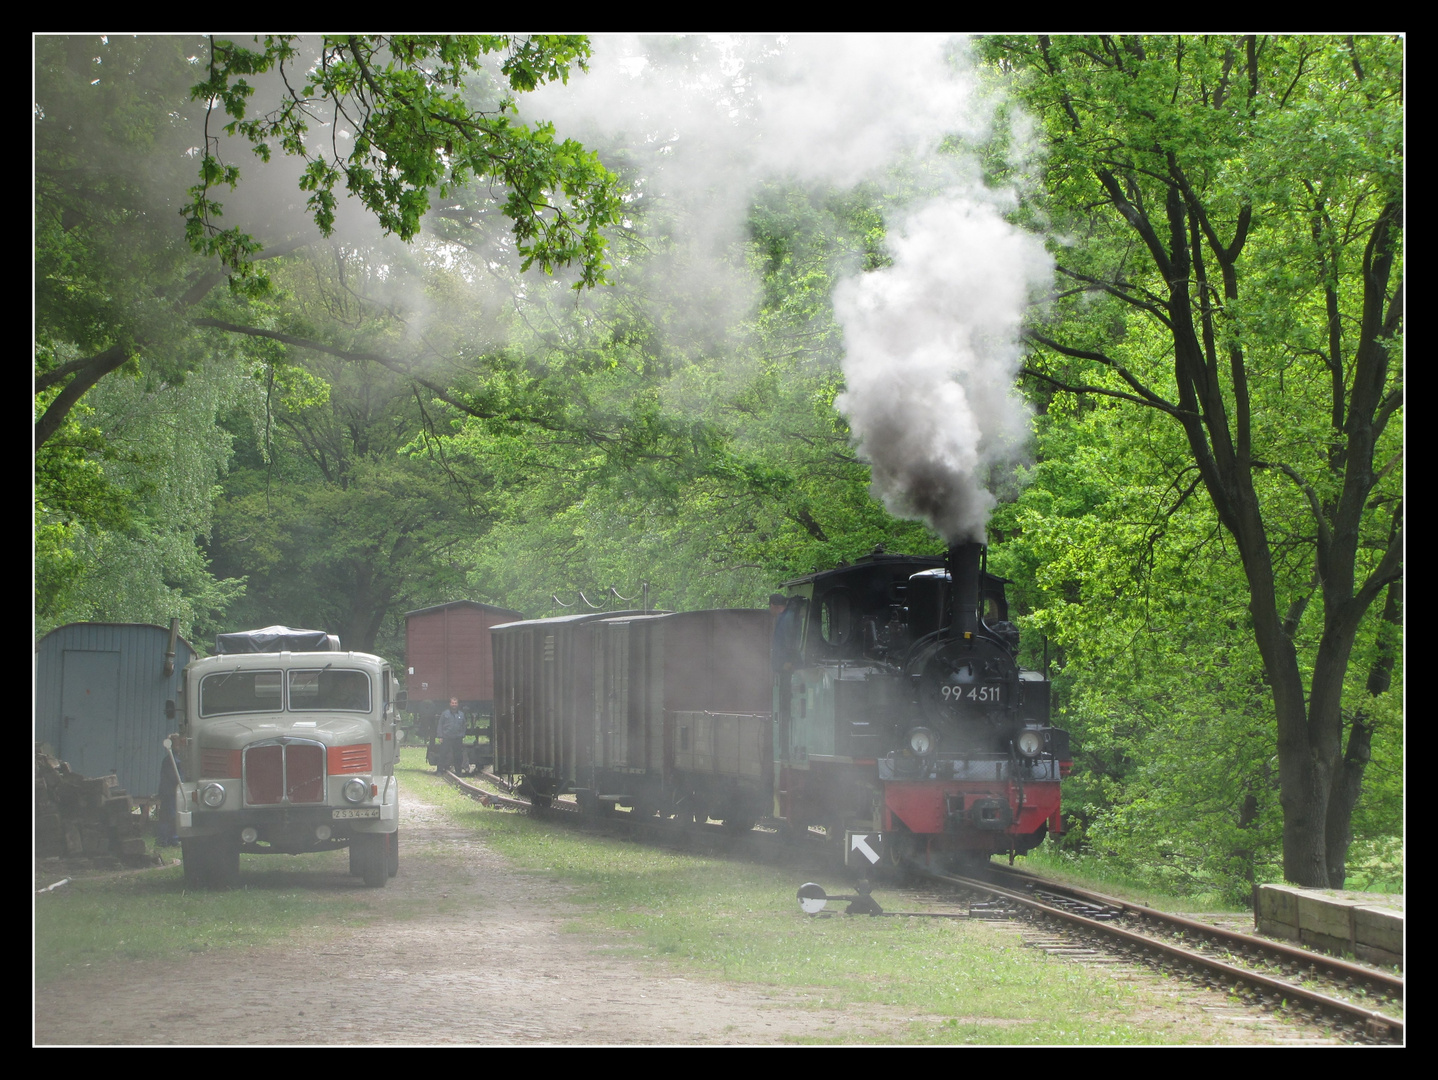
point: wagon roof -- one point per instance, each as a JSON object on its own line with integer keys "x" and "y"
{"x": 701, "y": 613}
{"x": 562, "y": 620}
{"x": 133, "y": 627}
{"x": 468, "y": 604}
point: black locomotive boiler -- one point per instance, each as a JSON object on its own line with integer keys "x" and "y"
{"x": 886, "y": 700}
{"x": 901, "y": 709}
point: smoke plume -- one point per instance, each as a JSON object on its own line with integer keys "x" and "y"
{"x": 931, "y": 353}
{"x": 931, "y": 340}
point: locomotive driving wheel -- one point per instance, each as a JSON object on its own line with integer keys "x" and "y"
{"x": 899, "y": 846}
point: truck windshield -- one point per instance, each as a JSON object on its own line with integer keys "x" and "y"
{"x": 329, "y": 690}
{"x": 260, "y": 691}
{"x": 240, "y": 691}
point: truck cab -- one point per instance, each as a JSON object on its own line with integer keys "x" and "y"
{"x": 285, "y": 750}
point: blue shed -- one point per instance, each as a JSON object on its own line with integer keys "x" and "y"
{"x": 100, "y": 693}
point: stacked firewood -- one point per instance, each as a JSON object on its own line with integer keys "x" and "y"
{"x": 82, "y": 816}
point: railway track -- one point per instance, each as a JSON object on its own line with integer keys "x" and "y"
{"x": 1263, "y": 973}
{"x": 1359, "y": 1000}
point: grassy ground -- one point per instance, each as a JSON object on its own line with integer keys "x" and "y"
{"x": 150, "y": 915}
{"x": 962, "y": 982}
{"x": 965, "y": 982}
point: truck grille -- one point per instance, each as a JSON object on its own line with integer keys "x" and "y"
{"x": 285, "y": 772}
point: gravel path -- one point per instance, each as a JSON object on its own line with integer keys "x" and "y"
{"x": 486, "y": 961}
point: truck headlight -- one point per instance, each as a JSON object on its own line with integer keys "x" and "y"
{"x": 213, "y": 796}
{"x": 355, "y": 790}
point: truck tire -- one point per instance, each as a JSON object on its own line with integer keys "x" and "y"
{"x": 392, "y": 853}
{"x": 225, "y": 862}
{"x": 371, "y": 851}
{"x": 195, "y": 854}
{"x": 211, "y": 862}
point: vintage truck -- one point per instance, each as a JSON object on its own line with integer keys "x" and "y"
{"x": 286, "y": 744}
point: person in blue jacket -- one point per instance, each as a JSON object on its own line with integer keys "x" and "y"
{"x": 452, "y": 727}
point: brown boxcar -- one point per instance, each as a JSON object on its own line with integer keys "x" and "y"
{"x": 448, "y": 655}
{"x": 666, "y": 713}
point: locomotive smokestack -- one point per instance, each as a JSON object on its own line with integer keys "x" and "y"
{"x": 965, "y": 560}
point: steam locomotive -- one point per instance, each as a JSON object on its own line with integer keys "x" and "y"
{"x": 883, "y": 707}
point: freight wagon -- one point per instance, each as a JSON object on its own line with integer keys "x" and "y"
{"x": 666, "y": 713}
{"x": 448, "y": 655}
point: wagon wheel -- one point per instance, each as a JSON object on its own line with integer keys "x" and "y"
{"x": 834, "y": 839}
{"x": 736, "y": 822}
{"x": 794, "y": 832}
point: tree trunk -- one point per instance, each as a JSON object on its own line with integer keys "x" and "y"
{"x": 1348, "y": 783}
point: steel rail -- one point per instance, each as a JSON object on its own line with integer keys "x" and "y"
{"x": 484, "y": 798}
{"x": 1331, "y": 966}
{"x": 1374, "y": 1024}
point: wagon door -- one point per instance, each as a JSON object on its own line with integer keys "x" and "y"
{"x": 90, "y": 711}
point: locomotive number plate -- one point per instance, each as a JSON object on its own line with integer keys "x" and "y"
{"x": 984, "y": 694}
{"x": 364, "y": 812}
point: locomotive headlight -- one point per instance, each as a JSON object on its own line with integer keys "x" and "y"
{"x": 213, "y": 796}
{"x": 1030, "y": 743}
{"x": 355, "y": 790}
{"x": 921, "y": 741}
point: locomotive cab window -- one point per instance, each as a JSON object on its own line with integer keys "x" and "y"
{"x": 836, "y": 619}
{"x": 789, "y": 634}
{"x": 995, "y": 602}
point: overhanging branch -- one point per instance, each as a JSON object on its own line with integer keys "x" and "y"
{"x": 1145, "y": 396}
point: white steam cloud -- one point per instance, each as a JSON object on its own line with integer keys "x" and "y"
{"x": 931, "y": 354}
{"x": 931, "y": 340}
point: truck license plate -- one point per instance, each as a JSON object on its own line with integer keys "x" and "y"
{"x": 364, "y": 812}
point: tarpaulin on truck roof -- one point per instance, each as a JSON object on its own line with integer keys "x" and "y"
{"x": 277, "y": 639}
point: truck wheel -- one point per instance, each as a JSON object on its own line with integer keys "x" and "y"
{"x": 195, "y": 854}
{"x": 369, "y": 848}
{"x": 393, "y": 852}
{"x": 356, "y": 869}
{"x": 211, "y": 862}
{"x": 225, "y": 864}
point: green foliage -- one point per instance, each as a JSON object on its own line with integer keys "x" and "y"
{"x": 1232, "y": 213}
{"x": 336, "y": 522}
{"x": 123, "y": 494}
{"x": 710, "y": 466}
{"x": 127, "y": 453}
{"x": 422, "y": 116}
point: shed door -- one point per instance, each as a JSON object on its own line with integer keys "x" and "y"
{"x": 90, "y": 712}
